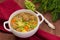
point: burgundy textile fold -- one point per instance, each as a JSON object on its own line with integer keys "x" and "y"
{"x": 7, "y": 8}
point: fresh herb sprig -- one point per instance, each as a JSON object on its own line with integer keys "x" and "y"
{"x": 50, "y": 5}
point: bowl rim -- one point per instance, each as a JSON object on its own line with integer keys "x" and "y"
{"x": 19, "y": 11}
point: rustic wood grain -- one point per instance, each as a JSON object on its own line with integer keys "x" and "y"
{"x": 6, "y": 36}
{"x": 43, "y": 26}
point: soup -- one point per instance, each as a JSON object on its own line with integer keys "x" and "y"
{"x": 24, "y": 22}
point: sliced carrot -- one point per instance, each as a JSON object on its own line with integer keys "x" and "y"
{"x": 13, "y": 20}
{"x": 35, "y": 22}
{"x": 26, "y": 28}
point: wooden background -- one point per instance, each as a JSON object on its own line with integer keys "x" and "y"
{"x": 43, "y": 26}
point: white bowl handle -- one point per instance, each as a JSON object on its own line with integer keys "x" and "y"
{"x": 49, "y": 24}
{"x": 6, "y": 22}
{"x": 39, "y": 14}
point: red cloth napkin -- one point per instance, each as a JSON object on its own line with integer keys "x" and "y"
{"x": 9, "y": 6}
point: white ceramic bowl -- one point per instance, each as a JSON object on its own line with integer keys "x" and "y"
{"x": 23, "y": 34}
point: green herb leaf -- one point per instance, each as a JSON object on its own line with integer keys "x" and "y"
{"x": 29, "y": 5}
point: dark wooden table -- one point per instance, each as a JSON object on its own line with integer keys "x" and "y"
{"x": 43, "y": 26}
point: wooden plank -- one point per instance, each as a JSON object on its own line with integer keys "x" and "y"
{"x": 57, "y": 24}
{"x": 45, "y": 27}
{"x": 5, "y": 36}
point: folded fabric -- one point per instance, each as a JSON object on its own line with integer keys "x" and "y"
{"x": 8, "y": 7}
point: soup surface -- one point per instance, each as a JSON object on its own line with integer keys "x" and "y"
{"x": 24, "y": 22}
